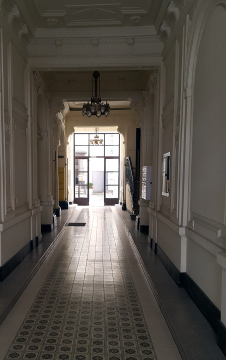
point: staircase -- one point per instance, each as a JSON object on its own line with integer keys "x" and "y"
{"x": 134, "y": 188}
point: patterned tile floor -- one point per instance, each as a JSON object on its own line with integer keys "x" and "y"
{"x": 90, "y": 300}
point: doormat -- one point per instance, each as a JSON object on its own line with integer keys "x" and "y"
{"x": 76, "y": 224}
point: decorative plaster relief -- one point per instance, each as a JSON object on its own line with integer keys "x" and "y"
{"x": 14, "y": 13}
{"x": 154, "y": 81}
{"x": 172, "y": 9}
{"x": 95, "y": 42}
{"x": 1, "y": 3}
{"x": 37, "y": 81}
{"x": 165, "y": 29}
{"x": 59, "y": 42}
{"x": 51, "y": 21}
{"x": 23, "y": 31}
{"x": 7, "y": 127}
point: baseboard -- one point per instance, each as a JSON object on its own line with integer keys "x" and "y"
{"x": 46, "y": 227}
{"x": 63, "y": 204}
{"x": 57, "y": 212}
{"x": 168, "y": 264}
{"x": 33, "y": 244}
{"x": 205, "y": 305}
{"x": 221, "y": 337}
{"x": 38, "y": 240}
{"x": 124, "y": 206}
{"x": 12, "y": 263}
{"x": 144, "y": 229}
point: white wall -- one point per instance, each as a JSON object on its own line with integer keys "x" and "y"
{"x": 189, "y": 225}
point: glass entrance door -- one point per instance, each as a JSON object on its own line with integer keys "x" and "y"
{"x": 111, "y": 193}
{"x": 106, "y": 152}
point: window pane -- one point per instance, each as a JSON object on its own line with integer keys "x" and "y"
{"x": 81, "y": 150}
{"x": 81, "y": 139}
{"x": 112, "y": 178}
{"x": 111, "y": 151}
{"x": 81, "y": 191}
{"x": 96, "y": 137}
{"x": 96, "y": 150}
{"x": 112, "y": 165}
{"x": 111, "y": 191}
{"x": 111, "y": 139}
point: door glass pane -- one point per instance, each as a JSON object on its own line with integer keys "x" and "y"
{"x": 96, "y": 150}
{"x": 81, "y": 191}
{"x": 111, "y": 139}
{"x": 111, "y": 192}
{"x": 81, "y": 139}
{"x": 81, "y": 150}
{"x": 111, "y": 151}
{"x": 81, "y": 164}
{"x": 112, "y": 178}
{"x": 81, "y": 178}
{"x": 112, "y": 165}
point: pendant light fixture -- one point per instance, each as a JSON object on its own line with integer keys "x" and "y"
{"x": 96, "y": 107}
{"x": 96, "y": 140}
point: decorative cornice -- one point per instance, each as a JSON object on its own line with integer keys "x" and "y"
{"x": 96, "y": 41}
{"x": 165, "y": 29}
{"x": 130, "y": 41}
{"x": 172, "y": 9}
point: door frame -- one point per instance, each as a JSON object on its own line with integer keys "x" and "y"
{"x": 111, "y": 201}
{"x": 107, "y": 201}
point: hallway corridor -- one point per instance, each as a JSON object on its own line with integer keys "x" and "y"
{"x": 91, "y": 299}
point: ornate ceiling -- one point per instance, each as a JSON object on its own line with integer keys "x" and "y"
{"x": 81, "y": 14}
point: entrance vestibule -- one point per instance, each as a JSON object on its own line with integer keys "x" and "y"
{"x": 96, "y": 169}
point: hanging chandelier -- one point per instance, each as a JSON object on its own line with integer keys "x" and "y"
{"x": 96, "y": 107}
{"x": 96, "y": 140}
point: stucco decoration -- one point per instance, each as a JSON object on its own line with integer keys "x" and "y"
{"x": 23, "y": 31}
{"x": 7, "y": 127}
{"x": 165, "y": 29}
{"x": 14, "y": 13}
{"x": 172, "y": 9}
{"x": 38, "y": 82}
{"x": 154, "y": 81}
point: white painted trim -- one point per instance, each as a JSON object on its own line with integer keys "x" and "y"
{"x": 16, "y": 220}
{"x": 206, "y": 244}
{"x": 96, "y": 32}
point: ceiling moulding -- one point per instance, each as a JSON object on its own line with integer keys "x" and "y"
{"x": 130, "y": 31}
{"x": 74, "y": 63}
{"x": 96, "y": 41}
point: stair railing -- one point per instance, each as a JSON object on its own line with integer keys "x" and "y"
{"x": 129, "y": 175}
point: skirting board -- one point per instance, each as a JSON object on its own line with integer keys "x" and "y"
{"x": 63, "y": 204}
{"x": 221, "y": 337}
{"x": 205, "y": 305}
{"x": 12, "y": 263}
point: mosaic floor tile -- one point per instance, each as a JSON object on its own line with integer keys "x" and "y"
{"x": 88, "y": 307}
